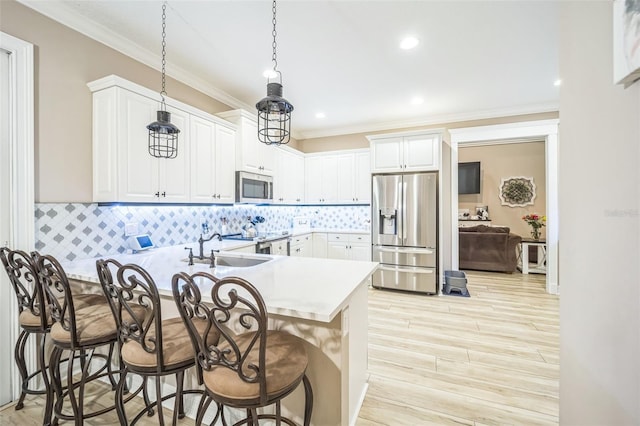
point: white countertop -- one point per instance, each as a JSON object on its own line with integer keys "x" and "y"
{"x": 300, "y": 287}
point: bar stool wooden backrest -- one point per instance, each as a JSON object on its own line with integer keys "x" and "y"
{"x": 32, "y": 316}
{"x": 251, "y": 367}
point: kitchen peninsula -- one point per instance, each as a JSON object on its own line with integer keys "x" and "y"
{"x": 324, "y": 301}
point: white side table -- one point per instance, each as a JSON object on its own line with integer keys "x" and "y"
{"x": 523, "y": 257}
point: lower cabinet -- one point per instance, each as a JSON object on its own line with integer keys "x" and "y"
{"x": 348, "y": 246}
{"x": 302, "y": 246}
{"x": 279, "y": 248}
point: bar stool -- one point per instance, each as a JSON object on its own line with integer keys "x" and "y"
{"x": 150, "y": 346}
{"x": 82, "y": 324}
{"x": 250, "y": 370}
{"x": 33, "y": 319}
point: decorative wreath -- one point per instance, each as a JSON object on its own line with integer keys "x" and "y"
{"x": 517, "y": 191}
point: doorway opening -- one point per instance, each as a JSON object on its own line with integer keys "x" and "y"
{"x": 544, "y": 130}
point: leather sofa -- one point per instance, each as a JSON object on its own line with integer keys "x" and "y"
{"x": 488, "y": 248}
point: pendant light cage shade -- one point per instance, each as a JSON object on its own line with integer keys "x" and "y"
{"x": 274, "y": 117}
{"x": 274, "y": 111}
{"x": 163, "y": 136}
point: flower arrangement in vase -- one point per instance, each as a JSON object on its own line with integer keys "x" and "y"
{"x": 537, "y": 222}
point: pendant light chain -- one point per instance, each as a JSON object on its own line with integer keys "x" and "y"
{"x": 163, "y": 135}
{"x": 164, "y": 50}
{"x": 274, "y": 57}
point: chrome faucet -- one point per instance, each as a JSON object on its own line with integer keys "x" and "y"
{"x": 201, "y": 241}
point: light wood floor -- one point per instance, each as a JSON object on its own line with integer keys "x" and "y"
{"x": 490, "y": 359}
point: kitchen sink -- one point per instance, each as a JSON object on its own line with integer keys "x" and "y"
{"x": 231, "y": 261}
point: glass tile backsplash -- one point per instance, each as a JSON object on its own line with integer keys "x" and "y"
{"x": 74, "y": 230}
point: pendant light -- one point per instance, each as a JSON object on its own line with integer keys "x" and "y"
{"x": 163, "y": 136}
{"x": 274, "y": 111}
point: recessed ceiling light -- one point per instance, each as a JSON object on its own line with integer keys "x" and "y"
{"x": 417, "y": 100}
{"x": 269, "y": 74}
{"x": 409, "y": 43}
{"x": 558, "y": 82}
{"x": 320, "y": 115}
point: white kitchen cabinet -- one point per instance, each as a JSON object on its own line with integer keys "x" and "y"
{"x": 338, "y": 177}
{"x": 280, "y": 247}
{"x": 405, "y": 152}
{"x": 362, "y": 177}
{"x": 321, "y": 179}
{"x": 302, "y": 245}
{"x": 289, "y": 177}
{"x": 123, "y": 168}
{"x": 251, "y": 155}
{"x": 319, "y": 240}
{"x": 345, "y": 180}
{"x": 212, "y": 154}
{"x": 348, "y": 246}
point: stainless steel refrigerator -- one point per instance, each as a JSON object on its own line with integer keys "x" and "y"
{"x": 405, "y": 231}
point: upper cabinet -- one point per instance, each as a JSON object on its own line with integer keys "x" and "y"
{"x": 212, "y": 148}
{"x": 251, "y": 155}
{"x": 289, "y": 176}
{"x": 123, "y": 169}
{"x": 321, "y": 179}
{"x": 405, "y": 152}
{"x": 338, "y": 177}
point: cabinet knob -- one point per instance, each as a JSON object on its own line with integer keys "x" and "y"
{"x": 218, "y": 196}
{"x": 164, "y": 194}
{"x": 157, "y": 194}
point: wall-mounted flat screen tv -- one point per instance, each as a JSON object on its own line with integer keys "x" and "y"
{"x": 469, "y": 178}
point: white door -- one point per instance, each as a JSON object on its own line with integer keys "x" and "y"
{"x": 6, "y": 293}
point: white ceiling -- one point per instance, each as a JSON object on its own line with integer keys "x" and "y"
{"x": 476, "y": 59}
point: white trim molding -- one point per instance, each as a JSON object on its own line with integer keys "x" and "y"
{"x": 21, "y": 185}
{"x": 541, "y": 130}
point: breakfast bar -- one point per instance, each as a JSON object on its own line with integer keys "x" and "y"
{"x": 323, "y": 301}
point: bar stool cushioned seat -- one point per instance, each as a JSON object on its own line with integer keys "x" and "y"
{"x": 176, "y": 346}
{"x": 285, "y": 363}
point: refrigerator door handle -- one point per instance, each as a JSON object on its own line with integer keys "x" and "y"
{"x": 407, "y": 250}
{"x": 404, "y": 212}
{"x": 406, "y": 269}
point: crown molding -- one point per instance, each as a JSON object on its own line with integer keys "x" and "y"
{"x": 59, "y": 11}
{"x": 432, "y": 120}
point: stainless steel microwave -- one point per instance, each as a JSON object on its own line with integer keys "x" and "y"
{"x": 253, "y": 188}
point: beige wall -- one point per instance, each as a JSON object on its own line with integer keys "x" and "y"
{"x": 359, "y": 140}
{"x": 503, "y": 161}
{"x": 599, "y": 201}
{"x": 65, "y": 61}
